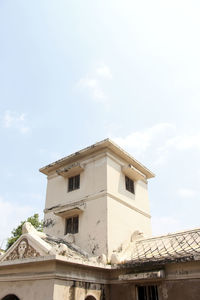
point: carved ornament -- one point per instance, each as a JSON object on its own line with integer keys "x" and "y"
{"x": 22, "y": 250}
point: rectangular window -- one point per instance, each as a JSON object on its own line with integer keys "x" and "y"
{"x": 72, "y": 225}
{"x": 74, "y": 183}
{"x": 129, "y": 185}
{"x": 148, "y": 292}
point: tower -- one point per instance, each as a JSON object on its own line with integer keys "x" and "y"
{"x": 98, "y": 197}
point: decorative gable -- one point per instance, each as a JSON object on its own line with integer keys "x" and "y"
{"x": 22, "y": 250}
{"x": 29, "y": 245}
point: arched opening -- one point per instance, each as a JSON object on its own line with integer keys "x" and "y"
{"x": 10, "y": 297}
{"x": 90, "y": 298}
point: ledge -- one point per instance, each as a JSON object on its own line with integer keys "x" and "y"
{"x": 69, "y": 212}
{"x": 71, "y": 170}
{"x": 141, "y": 276}
{"x": 133, "y": 173}
{"x": 82, "y": 203}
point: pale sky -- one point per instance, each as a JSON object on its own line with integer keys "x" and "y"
{"x": 75, "y": 72}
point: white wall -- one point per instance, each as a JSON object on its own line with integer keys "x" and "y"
{"x": 111, "y": 213}
{"x": 127, "y": 212}
{"x": 92, "y": 235}
{"x": 116, "y": 186}
{"x": 92, "y": 180}
{"x": 32, "y": 289}
{"x": 122, "y": 222}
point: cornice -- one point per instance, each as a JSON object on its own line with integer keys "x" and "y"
{"x": 88, "y": 198}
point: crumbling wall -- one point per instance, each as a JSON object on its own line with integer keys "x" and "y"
{"x": 77, "y": 290}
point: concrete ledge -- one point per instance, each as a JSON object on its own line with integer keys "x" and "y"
{"x": 141, "y": 276}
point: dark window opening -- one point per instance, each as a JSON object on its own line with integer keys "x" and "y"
{"x": 72, "y": 225}
{"x": 74, "y": 183}
{"x": 149, "y": 292}
{"x": 129, "y": 185}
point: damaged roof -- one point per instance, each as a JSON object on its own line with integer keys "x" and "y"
{"x": 73, "y": 250}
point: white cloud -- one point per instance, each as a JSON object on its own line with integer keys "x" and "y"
{"x": 93, "y": 85}
{"x": 7, "y": 120}
{"x": 141, "y": 141}
{"x": 159, "y": 142}
{"x": 15, "y": 120}
{"x": 184, "y": 142}
{"x": 94, "y": 82}
{"x": 24, "y": 129}
{"x": 186, "y": 193}
{"x": 104, "y": 71}
{"x": 178, "y": 142}
{"x": 11, "y": 215}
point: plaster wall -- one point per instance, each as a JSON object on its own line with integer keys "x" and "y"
{"x": 181, "y": 290}
{"x": 123, "y": 291}
{"x": 181, "y": 282}
{"x": 63, "y": 290}
{"x": 51, "y": 290}
{"x": 28, "y": 289}
{"x": 183, "y": 270}
{"x": 127, "y": 212}
{"x": 167, "y": 290}
{"x": 122, "y": 222}
{"x": 92, "y": 235}
{"x": 116, "y": 185}
{"x": 54, "y": 279}
{"x": 71, "y": 290}
{"x": 92, "y": 180}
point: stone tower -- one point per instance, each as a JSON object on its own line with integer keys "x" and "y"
{"x": 98, "y": 197}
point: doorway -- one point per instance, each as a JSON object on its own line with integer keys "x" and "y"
{"x": 90, "y": 298}
{"x": 10, "y": 297}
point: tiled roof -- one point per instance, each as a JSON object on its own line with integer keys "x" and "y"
{"x": 171, "y": 247}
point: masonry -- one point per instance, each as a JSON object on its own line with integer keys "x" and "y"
{"x": 97, "y": 241}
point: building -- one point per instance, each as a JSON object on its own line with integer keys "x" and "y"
{"x": 103, "y": 198}
{"x": 97, "y": 241}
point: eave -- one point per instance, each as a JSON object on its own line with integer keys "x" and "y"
{"x": 95, "y": 148}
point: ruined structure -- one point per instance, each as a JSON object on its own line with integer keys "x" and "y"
{"x": 97, "y": 241}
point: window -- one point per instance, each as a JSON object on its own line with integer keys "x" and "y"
{"x": 148, "y": 292}
{"x": 129, "y": 185}
{"x": 74, "y": 183}
{"x": 72, "y": 225}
